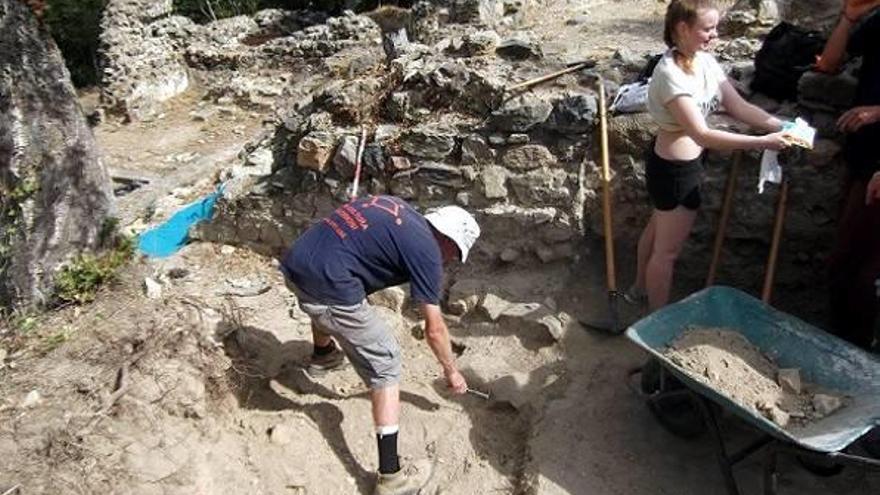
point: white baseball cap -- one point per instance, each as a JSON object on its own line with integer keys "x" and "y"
{"x": 457, "y": 224}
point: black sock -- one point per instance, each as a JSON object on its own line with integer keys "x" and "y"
{"x": 323, "y": 351}
{"x": 388, "y": 460}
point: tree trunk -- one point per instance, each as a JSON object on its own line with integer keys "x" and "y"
{"x": 54, "y": 192}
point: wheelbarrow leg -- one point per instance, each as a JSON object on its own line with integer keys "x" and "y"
{"x": 724, "y": 460}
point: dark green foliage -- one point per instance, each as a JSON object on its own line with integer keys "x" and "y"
{"x": 75, "y": 25}
{"x": 79, "y": 281}
{"x": 209, "y": 10}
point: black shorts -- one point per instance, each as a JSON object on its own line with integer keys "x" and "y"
{"x": 673, "y": 182}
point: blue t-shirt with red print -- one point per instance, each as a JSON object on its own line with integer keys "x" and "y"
{"x": 364, "y": 246}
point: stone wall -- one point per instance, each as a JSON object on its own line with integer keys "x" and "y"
{"x": 139, "y": 67}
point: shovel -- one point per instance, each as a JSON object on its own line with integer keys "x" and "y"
{"x": 609, "y": 322}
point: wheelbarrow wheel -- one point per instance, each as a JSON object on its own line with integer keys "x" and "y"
{"x": 670, "y": 402}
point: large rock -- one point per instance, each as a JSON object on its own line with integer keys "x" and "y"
{"x": 475, "y": 150}
{"x": 494, "y": 179}
{"x": 631, "y": 134}
{"x": 532, "y": 322}
{"x": 429, "y": 142}
{"x": 528, "y": 157}
{"x": 345, "y": 160}
{"x": 56, "y": 193}
{"x": 315, "y": 151}
{"x": 465, "y": 295}
{"x": 573, "y": 114}
{"x": 521, "y": 113}
{"x": 351, "y": 100}
{"x": 541, "y": 186}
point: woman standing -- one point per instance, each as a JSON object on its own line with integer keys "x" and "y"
{"x": 687, "y": 85}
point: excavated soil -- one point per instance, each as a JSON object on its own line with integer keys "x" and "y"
{"x": 727, "y": 362}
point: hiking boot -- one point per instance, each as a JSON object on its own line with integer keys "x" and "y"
{"x": 321, "y": 365}
{"x": 635, "y": 296}
{"x": 408, "y": 481}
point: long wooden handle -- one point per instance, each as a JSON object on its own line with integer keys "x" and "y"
{"x": 547, "y": 77}
{"x": 774, "y": 245}
{"x": 610, "y": 272}
{"x": 725, "y": 217}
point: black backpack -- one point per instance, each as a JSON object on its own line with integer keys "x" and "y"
{"x": 787, "y": 52}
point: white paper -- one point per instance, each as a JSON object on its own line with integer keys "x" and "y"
{"x": 802, "y": 131}
{"x": 771, "y": 171}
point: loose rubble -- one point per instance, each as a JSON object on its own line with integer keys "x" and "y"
{"x": 728, "y": 363}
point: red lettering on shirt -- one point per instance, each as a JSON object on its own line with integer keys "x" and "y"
{"x": 336, "y": 228}
{"x": 361, "y": 220}
{"x": 347, "y": 219}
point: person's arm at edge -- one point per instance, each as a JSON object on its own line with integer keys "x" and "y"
{"x": 835, "y": 48}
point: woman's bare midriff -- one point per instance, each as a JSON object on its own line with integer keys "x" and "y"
{"x": 676, "y": 146}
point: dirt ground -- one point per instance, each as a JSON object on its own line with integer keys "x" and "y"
{"x": 201, "y": 391}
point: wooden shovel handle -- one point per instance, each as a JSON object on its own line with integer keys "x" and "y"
{"x": 774, "y": 245}
{"x": 729, "y": 188}
{"x": 610, "y": 272}
{"x": 552, "y": 75}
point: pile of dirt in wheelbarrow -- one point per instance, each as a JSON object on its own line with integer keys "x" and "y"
{"x": 731, "y": 365}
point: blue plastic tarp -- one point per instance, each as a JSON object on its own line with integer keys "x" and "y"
{"x": 823, "y": 359}
{"x": 169, "y": 237}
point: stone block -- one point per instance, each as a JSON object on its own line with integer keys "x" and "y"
{"x": 528, "y": 157}
{"x": 493, "y": 179}
{"x": 521, "y": 113}
{"x": 575, "y": 113}
{"x": 345, "y": 160}
{"x": 429, "y": 142}
{"x": 789, "y": 379}
{"x": 465, "y": 295}
{"x": 492, "y": 306}
{"x": 826, "y": 404}
{"x": 392, "y": 298}
{"x": 532, "y": 321}
{"x": 475, "y": 150}
{"x": 315, "y": 151}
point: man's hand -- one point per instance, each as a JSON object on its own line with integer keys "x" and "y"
{"x": 873, "y": 190}
{"x": 455, "y": 381}
{"x": 854, "y": 118}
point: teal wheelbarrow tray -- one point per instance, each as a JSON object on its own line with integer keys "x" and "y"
{"x": 823, "y": 359}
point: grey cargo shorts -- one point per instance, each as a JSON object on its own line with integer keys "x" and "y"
{"x": 366, "y": 338}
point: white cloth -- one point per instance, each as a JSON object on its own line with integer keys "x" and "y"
{"x": 631, "y": 98}
{"x": 771, "y": 171}
{"x": 669, "y": 81}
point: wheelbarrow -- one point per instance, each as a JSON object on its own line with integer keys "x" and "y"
{"x": 823, "y": 359}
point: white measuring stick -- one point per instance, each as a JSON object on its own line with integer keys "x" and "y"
{"x": 357, "y": 166}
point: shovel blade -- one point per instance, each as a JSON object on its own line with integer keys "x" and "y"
{"x": 608, "y": 322}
